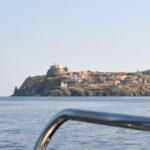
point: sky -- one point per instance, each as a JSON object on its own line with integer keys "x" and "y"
{"x": 103, "y": 35}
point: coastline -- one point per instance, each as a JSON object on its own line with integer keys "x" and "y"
{"x": 75, "y": 92}
{"x": 60, "y": 81}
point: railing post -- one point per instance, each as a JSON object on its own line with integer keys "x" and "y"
{"x": 118, "y": 120}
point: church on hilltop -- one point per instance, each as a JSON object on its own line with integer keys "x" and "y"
{"x": 57, "y": 70}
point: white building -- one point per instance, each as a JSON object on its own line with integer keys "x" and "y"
{"x": 63, "y": 84}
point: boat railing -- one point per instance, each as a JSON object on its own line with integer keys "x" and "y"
{"x": 118, "y": 120}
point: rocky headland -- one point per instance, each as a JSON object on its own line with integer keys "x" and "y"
{"x": 60, "y": 81}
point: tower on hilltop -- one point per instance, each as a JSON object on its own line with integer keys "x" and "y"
{"x": 56, "y": 70}
{"x": 139, "y": 73}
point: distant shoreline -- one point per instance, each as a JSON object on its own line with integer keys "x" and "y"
{"x": 60, "y": 81}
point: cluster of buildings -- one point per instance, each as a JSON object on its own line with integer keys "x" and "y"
{"x": 97, "y": 80}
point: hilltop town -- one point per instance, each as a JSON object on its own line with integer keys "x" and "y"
{"x": 60, "y": 81}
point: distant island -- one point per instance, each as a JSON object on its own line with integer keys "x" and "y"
{"x": 60, "y": 81}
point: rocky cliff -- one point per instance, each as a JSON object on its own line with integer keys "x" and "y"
{"x": 51, "y": 86}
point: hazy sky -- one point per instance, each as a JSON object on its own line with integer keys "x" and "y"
{"x": 104, "y": 35}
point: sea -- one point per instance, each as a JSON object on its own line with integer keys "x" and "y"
{"x": 22, "y": 119}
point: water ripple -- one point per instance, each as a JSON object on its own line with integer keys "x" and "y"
{"x": 23, "y": 120}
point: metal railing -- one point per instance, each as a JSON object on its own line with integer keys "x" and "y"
{"x": 118, "y": 120}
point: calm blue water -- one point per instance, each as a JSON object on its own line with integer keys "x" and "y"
{"x": 23, "y": 118}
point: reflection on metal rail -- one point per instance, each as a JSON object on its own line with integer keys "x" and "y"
{"x": 126, "y": 121}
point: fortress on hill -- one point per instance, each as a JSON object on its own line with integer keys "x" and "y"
{"x": 57, "y": 70}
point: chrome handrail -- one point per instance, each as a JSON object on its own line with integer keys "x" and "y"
{"x": 125, "y": 121}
